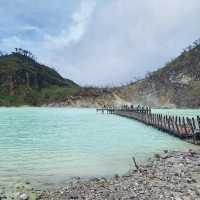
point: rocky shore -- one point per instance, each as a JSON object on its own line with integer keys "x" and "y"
{"x": 171, "y": 175}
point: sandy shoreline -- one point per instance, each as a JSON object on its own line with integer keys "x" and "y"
{"x": 171, "y": 175}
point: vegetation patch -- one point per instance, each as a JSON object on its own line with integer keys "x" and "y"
{"x": 23, "y": 81}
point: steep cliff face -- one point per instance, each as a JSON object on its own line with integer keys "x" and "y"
{"x": 23, "y": 81}
{"x": 175, "y": 85}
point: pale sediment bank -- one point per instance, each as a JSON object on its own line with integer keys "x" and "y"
{"x": 171, "y": 175}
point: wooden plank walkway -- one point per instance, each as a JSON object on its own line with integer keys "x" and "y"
{"x": 183, "y": 127}
{"x": 106, "y": 110}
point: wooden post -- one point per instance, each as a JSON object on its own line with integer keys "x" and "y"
{"x": 157, "y": 121}
{"x": 161, "y": 124}
{"x": 198, "y": 120}
{"x": 192, "y": 129}
{"x": 168, "y": 122}
{"x": 179, "y": 120}
{"x": 185, "y": 127}
{"x": 152, "y": 119}
{"x": 164, "y": 119}
{"x": 193, "y": 123}
{"x": 174, "y": 126}
{"x": 150, "y": 115}
{"x": 177, "y": 127}
{"x": 148, "y": 118}
{"x": 161, "y": 121}
{"x": 172, "y": 123}
{"x": 180, "y": 125}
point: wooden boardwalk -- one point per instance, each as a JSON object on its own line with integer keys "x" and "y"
{"x": 106, "y": 110}
{"x": 183, "y": 127}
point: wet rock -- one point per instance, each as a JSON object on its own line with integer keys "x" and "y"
{"x": 116, "y": 176}
{"x": 2, "y": 196}
{"x": 166, "y": 151}
{"x": 23, "y": 196}
{"x": 157, "y": 156}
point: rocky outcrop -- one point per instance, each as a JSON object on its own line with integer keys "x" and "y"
{"x": 175, "y": 85}
{"x": 91, "y": 101}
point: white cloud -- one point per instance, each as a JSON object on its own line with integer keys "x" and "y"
{"x": 102, "y": 41}
{"x": 130, "y": 38}
{"x": 74, "y": 33}
{"x": 29, "y": 28}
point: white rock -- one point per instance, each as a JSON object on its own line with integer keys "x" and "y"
{"x": 23, "y": 196}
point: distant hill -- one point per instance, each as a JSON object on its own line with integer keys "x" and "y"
{"x": 177, "y": 84}
{"x": 23, "y": 81}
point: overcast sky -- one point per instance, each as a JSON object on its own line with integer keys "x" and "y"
{"x": 100, "y": 41}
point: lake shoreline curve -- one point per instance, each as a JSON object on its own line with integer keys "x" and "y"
{"x": 170, "y": 175}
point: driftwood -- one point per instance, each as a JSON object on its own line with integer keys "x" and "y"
{"x": 134, "y": 161}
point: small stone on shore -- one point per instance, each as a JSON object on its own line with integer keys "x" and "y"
{"x": 167, "y": 176}
{"x": 23, "y": 196}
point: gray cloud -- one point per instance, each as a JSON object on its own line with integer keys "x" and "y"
{"x": 103, "y": 42}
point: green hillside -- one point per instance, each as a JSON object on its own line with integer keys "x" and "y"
{"x": 23, "y": 81}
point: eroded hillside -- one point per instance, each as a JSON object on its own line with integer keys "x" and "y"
{"x": 175, "y": 85}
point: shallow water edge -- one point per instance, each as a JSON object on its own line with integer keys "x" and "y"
{"x": 170, "y": 175}
{"x": 49, "y": 146}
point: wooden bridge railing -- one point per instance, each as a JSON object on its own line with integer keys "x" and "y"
{"x": 179, "y": 126}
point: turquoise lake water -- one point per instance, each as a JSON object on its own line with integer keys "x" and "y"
{"x": 48, "y": 146}
{"x": 179, "y": 112}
